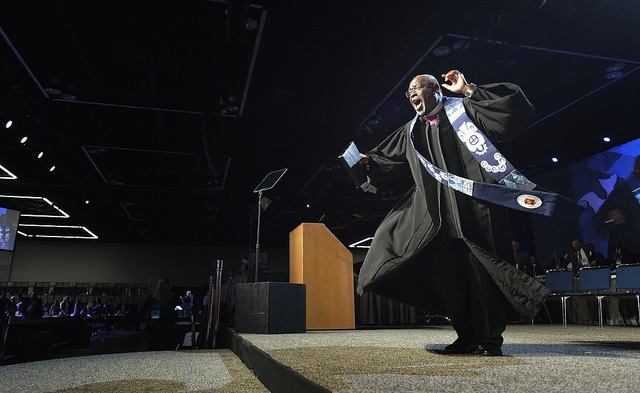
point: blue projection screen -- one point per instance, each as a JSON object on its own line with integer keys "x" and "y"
{"x": 8, "y": 228}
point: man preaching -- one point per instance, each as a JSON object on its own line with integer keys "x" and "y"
{"x": 444, "y": 247}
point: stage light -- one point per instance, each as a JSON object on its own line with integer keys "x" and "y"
{"x": 554, "y": 159}
{"x": 52, "y": 91}
{"x": 250, "y": 24}
{"x": 63, "y": 230}
{"x": 53, "y": 168}
{"x": 606, "y": 139}
{"x": 41, "y": 205}
{"x": 40, "y": 155}
{"x": 373, "y": 120}
{"x": 24, "y": 139}
{"x": 614, "y": 75}
{"x": 229, "y": 106}
{"x": 8, "y": 124}
{"x": 461, "y": 44}
{"x": 615, "y": 67}
{"x": 5, "y": 174}
{"x": 441, "y": 51}
{"x": 614, "y": 71}
{"x": 68, "y": 97}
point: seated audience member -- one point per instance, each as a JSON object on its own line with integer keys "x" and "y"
{"x": 79, "y": 309}
{"x": 21, "y": 307}
{"x": 12, "y": 307}
{"x": 66, "y": 307}
{"x": 96, "y": 308}
{"x": 110, "y": 307}
{"x": 122, "y": 310}
{"x": 555, "y": 263}
{"x": 618, "y": 254}
{"x": 537, "y": 268}
{"x": 521, "y": 259}
{"x": 578, "y": 257}
{"x": 46, "y": 306}
{"x": 598, "y": 258}
{"x": 33, "y": 309}
{"x": 54, "y": 311}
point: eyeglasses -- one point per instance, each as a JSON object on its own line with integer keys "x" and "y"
{"x": 413, "y": 88}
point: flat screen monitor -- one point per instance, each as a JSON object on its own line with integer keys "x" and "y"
{"x": 8, "y": 228}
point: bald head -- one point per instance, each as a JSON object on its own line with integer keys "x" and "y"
{"x": 424, "y": 93}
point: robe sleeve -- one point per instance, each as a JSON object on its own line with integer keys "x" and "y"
{"x": 388, "y": 161}
{"x": 501, "y": 110}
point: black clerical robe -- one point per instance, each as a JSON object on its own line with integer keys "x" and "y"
{"x": 430, "y": 212}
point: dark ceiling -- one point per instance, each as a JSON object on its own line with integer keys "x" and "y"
{"x": 166, "y": 115}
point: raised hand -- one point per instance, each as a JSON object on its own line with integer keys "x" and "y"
{"x": 457, "y": 82}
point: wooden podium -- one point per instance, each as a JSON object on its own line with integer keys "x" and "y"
{"x": 319, "y": 260}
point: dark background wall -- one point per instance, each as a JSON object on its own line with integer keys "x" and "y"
{"x": 82, "y": 261}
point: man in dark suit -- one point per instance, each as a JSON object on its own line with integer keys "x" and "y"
{"x": 598, "y": 258}
{"x": 578, "y": 258}
{"x": 521, "y": 259}
{"x": 555, "y": 263}
{"x": 618, "y": 254}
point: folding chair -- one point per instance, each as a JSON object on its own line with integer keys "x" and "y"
{"x": 560, "y": 283}
{"x": 628, "y": 282}
{"x": 596, "y": 282}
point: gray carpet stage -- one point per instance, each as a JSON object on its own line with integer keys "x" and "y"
{"x": 136, "y": 372}
{"x": 540, "y": 358}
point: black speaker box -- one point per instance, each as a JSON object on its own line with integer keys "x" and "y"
{"x": 270, "y": 307}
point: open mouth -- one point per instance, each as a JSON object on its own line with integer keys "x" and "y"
{"x": 417, "y": 104}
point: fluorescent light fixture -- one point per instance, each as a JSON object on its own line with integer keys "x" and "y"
{"x": 56, "y": 209}
{"x": 359, "y": 243}
{"x": 85, "y": 233}
{"x": 5, "y": 174}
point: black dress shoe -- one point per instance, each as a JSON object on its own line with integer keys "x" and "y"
{"x": 490, "y": 351}
{"x": 461, "y": 348}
